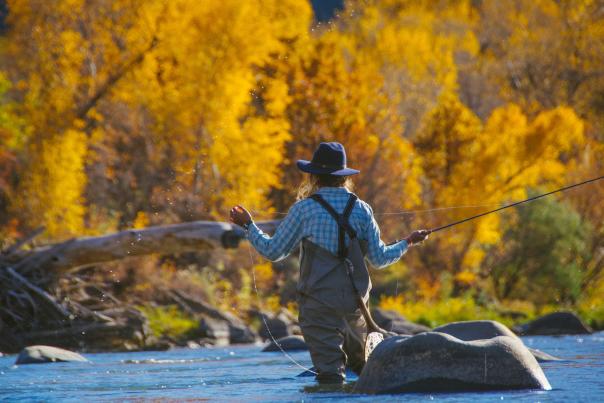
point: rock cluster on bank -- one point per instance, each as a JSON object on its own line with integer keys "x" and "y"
{"x": 554, "y": 324}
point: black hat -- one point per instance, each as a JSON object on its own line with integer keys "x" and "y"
{"x": 329, "y": 158}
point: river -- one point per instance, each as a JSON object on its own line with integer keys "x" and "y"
{"x": 245, "y": 373}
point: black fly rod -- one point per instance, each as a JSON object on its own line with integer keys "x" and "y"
{"x": 514, "y": 204}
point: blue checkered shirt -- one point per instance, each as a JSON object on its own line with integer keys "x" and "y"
{"x": 308, "y": 219}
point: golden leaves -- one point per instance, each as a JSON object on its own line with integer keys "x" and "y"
{"x": 52, "y": 188}
{"x": 470, "y": 163}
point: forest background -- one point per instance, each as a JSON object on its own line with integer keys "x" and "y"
{"x": 132, "y": 113}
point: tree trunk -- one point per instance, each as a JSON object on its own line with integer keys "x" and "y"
{"x": 164, "y": 239}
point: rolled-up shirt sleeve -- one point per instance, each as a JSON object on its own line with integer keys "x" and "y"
{"x": 287, "y": 235}
{"x": 379, "y": 254}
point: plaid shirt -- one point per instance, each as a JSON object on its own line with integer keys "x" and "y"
{"x": 308, "y": 219}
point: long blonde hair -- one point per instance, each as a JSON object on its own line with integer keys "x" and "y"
{"x": 314, "y": 182}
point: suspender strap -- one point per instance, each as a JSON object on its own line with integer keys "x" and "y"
{"x": 348, "y": 209}
{"x": 341, "y": 220}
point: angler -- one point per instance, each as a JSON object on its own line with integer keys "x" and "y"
{"x": 337, "y": 231}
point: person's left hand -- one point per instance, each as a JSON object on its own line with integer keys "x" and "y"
{"x": 240, "y": 216}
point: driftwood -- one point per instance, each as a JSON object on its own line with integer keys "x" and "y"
{"x": 49, "y": 301}
{"x": 165, "y": 239}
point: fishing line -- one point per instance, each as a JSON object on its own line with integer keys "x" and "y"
{"x": 514, "y": 204}
{"x": 410, "y": 212}
{"x": 292, "y": 359}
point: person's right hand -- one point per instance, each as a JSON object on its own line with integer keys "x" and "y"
{"x": 417, "y": 236}
{"x": 240, "y": 216}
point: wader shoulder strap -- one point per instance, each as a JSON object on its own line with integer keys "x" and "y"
{"x": 341, "y": 220}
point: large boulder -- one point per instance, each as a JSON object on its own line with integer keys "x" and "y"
{"x": 557, "y": 323}
{"x": 44, "y": 354}
{"x": 392, "y": 321}
{"x": 288, "y": 343}
{"x": 440, "y": 362}
{"x": 486, "y": 329}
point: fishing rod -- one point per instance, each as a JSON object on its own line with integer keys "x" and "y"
{"x": 513, "y": 204}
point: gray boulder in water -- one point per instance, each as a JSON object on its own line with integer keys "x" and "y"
{"x": 44, "y": 354}
{"x": 392, "y": 321}
{"x": 487, "y": 329}
{"x": 475, "y": 330}
{"x": 289, "y": 343}
{"x": 440, "y": 362}
{"x": 553, "y": 324}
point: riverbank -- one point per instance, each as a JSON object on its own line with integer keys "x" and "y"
{"x": 159, "y": 303}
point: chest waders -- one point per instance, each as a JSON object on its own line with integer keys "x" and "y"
{"x": 333, "y": 294}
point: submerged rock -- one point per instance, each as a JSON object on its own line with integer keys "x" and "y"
{"x": 557, "y": 323}
{"x": 288, "y": 343}
{"x": 44, "y": 354}
{"x": 475, "y": 330}
{"x": 392, "y": 321}
{"x": 440, "y": 362}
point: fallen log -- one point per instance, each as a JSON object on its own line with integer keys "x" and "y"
{"x": 164, "y": 239}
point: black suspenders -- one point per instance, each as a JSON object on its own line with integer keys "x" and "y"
{"x": 341, "y": 219}
{"x": 344, "y": 226}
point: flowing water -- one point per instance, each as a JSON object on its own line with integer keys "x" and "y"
{"x": 239, "y": 373}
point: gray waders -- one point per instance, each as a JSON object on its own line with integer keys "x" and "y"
{"x": 331, "y": 291}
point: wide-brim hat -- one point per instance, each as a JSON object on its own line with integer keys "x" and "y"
{"x": 329, "y": 158}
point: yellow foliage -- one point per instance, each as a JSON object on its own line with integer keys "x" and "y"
{"x": 264, "y": 275}
{"x": 188, "y": 68}
{"x": 465, "y": 277}
{"x": 272, "y": 303}
{"x": 51, "y": 193}
{"x": 169, "y": 321}
{"x": 427, "y": 289}
{"x": 141, "y": 220}
{"x": 440, "y": 312}
{"x": 470, "y": 163}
